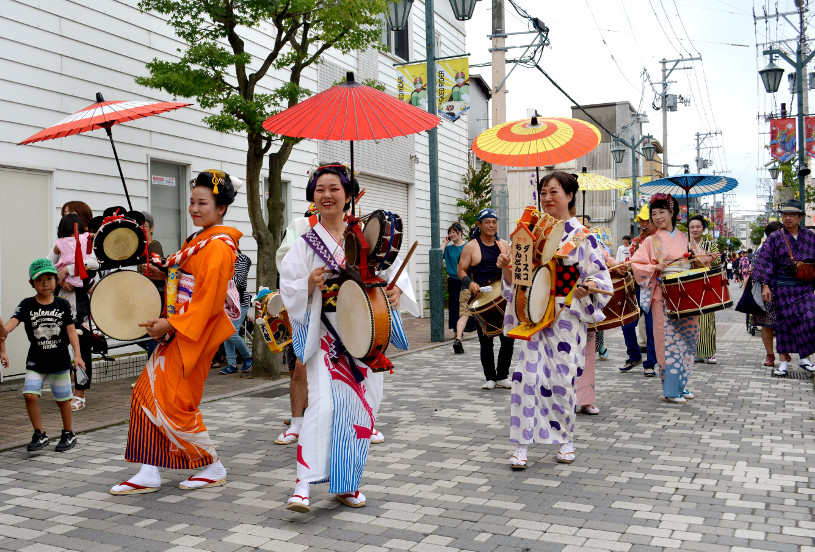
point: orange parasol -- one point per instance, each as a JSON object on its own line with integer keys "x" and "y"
{"x": 537, "y": 143}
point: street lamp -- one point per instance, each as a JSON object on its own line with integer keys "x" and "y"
{"x": 618, "y": 153}
{"x": 771, "y": 77}
{"x": 398, "y": 13}
{"x": 400, "y": 9}
{"x": 773, "y": 171}
{"x": 463, "y": 9}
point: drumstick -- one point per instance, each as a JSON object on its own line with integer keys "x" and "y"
{"x": 404, "y": 264}
{"x": 597, "y": 290}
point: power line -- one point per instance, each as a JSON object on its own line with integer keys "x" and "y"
{"x": 603, "y": 38}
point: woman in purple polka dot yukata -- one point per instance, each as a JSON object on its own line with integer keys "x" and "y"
{"x": 543, "y": 400}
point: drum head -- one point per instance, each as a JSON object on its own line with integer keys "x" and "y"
{"x": 373, "y": 226}
{"x": 274, "y": 304}
{"x": 121, "y": 300}
{"x": 120, "y": 244}
{"x": 552, "y": 242}
{"x": 538, "y": 295}
{"x": 355, "y": 323}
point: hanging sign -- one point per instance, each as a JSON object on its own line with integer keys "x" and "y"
{"x": 809, "y": 122}
{"x": 523, "y": 247}
{"x": 453, "y": 83}
{"x": 782, "y": 139}
{"x": 411, "y": 84}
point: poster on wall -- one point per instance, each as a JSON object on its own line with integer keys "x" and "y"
{"x": 782, "y": 139}
{"x": 453, "y": 81}
{"x": 411, "y": 84}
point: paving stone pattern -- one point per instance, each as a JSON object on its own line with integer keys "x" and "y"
{"x": 731, "y": 470}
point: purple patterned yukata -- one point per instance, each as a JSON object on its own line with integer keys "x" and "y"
{"x": 543, "y": 401}
{"x": 793, "y": 300}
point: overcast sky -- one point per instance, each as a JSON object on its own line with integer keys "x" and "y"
{"x": 599, "y": 49}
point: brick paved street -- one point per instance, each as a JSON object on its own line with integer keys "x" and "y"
{"x": 730, "y": 470}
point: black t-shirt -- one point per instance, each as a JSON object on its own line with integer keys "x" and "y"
{"x": 47, "y": 330}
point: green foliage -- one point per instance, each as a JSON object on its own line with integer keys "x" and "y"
{"x": 757, "y": 231}
{"x": 735, "y": 244}
{"x": 477, "y": 193}
{"x": 221, "y": 75}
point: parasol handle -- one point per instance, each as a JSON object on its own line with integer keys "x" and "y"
{"x": 404, "y": 264}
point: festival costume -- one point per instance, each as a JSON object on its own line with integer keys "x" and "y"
{"x": 793, "y": 300}
{"x": 674, "y": 339}
{"x": 166, "y": 427}
{"x": 706, "y": 348}
{"x": 338, "y": 423}
{"x": 542, "y": 407}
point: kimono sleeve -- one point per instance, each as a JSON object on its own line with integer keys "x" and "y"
{"x": 304, "y": 310}
{"x": 593, "y": 270}
{"x": 213, "y": 269}
{"x": 763, "y": 262}
{"x": 643, "y": 266}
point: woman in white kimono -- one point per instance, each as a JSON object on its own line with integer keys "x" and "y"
{"x": 343, "y": 393}
{"x": 543, "y": 401}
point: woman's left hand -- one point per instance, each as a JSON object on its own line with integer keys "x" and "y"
{"x": 157, "y": 327}
{"x": 393, "y": 296}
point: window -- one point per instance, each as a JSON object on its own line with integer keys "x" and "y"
{"x": 169, "y": 194}
{"x": 398, "y": 42}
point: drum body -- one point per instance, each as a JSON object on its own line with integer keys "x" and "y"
{"x": 533, "y": 302}
{"x": 622, "y": 308}
{"x": 119, "y": 242}
{"x": 363, "y": 320}
{"x": 695, "y": 292}
{"x": 121, "y": 300}
{"x": 488, "y": 309}
{"x": 383, "y": 232}
{"x": 275, "y": 326}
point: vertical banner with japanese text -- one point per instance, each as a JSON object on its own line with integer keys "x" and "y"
{"x": 411, "y": 84}
{"x": 782, "y": 139}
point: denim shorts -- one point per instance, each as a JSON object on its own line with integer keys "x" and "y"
{"x": 60, "y": 383}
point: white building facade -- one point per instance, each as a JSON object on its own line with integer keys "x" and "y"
{"x": 55, "y": 56}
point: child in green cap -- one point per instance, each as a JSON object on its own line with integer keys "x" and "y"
{"x": 50, "y": 327}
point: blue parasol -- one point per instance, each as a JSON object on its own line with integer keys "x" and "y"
{"x": 682, "y": 184}
{"x": 690, "y": 185}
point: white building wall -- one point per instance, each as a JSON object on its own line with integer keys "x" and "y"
{"x": 56, "y": 55}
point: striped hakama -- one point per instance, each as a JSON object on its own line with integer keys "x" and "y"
{"x": 707, "y": 336}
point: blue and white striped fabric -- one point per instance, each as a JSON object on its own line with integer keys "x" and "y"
{"x": 298, "y": 338}
{"x": 398, "y": 337}
{"x": 349, "y": 452}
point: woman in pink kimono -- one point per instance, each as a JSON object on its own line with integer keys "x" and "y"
{"x": 665, "y": 252}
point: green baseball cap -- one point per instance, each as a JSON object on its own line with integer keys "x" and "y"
{"x": 40, "y": 267}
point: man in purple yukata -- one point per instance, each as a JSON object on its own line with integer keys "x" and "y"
{"x": 793, "y": 299}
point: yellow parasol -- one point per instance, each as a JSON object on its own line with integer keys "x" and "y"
{"x": 596, "y": 182}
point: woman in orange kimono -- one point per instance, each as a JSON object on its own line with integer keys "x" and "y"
{"x": 664, "y": 252}
{"x": 166, "y": 428}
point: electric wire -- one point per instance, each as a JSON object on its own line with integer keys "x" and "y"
{"x": 610, "y": 53}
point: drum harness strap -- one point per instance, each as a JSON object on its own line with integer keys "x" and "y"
{"x": 313, "y": 240}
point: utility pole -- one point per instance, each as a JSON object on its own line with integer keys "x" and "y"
{"x": 500, "y": 194}
{"x": 436, "y": 282}
{"x": 665, "y": 74}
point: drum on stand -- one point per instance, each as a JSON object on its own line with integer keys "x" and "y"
{"x": 121, "y": 301}
{"x": 364, "y": 322}
{"x": 488, "y": 309}
{"x": 622, "y": 309}
{"x": 695, "y": 292}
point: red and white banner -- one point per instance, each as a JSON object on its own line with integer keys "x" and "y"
{"x": 809, "y": 138}
{"x": 782, "y": 139}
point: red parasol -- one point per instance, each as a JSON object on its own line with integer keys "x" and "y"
{"x": 351, "y": 111}
{"x": 104, "y": 114}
